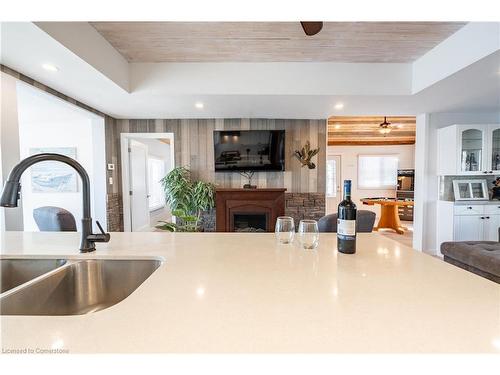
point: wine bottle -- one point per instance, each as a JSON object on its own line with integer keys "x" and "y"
{"x": 346, "y": 222}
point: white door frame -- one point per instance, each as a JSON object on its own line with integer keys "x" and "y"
{"x": 124, "y": 142}
{"x": 338, "y": 173}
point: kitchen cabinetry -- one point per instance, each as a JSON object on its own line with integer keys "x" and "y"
{"x": 474, "y": 222}
{"x": 469, "y": 149}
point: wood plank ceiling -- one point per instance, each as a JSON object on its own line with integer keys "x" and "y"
{"x": 394, "y": 42}
{"x": 345, "y": 130}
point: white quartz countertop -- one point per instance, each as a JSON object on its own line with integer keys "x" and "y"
{"x": 478, "y": 202}
{"x": 228, "y": 292}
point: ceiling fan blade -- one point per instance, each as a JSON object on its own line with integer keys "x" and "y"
{"x": 312, "y": 28}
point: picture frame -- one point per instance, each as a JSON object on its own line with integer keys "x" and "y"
{"x": 470, "y": 190}
{"x": 53, "y": 176}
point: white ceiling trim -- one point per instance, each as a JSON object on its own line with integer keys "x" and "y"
{"x": 287, "y": 90}
{"x": 468, "y": 45}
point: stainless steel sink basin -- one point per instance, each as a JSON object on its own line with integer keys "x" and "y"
{"x": 15, "y": 272}
{"x": 79, "y": 287}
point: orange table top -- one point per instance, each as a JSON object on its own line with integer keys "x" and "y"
{"x": 387, "y": 202}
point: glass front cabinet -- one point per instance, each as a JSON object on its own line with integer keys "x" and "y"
{"x": 469, "y": 150}
{"x": 472, "y": 149}
{"x": 494, "y": 147}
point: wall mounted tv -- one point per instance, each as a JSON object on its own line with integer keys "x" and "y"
{"x": 249, "y": 150}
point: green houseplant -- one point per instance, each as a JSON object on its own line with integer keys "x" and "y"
{"x": 187, "y": 199}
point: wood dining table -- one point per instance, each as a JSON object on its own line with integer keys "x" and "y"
{"x": 389, "y": 217}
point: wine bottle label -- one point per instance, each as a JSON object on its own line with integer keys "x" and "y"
{"x": 346, "y": 229}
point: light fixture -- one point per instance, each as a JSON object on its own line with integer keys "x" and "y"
{"x": 339, "y": 106}
{"x": 337, "y": 126}
{"x": 199, "y": 105}
{"x": 50, "y": 67}
{"x": 385, "y": 127}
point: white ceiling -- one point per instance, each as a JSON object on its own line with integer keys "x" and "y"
{"x": 252, "y": 90}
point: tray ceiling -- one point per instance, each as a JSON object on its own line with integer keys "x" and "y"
{"x": 357, "y": 42}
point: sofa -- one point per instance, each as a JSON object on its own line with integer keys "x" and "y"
{"x": 479, "y": 257}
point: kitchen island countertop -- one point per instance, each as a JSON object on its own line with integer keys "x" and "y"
{"x": 229, "y": 292}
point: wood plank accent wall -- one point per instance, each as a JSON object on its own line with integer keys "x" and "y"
{"x": 364, "y": 130}
{"x": 193, "y": 145}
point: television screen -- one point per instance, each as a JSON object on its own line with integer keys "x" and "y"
{"x": 249, "y": 150}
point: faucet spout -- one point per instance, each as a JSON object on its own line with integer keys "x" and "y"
{"x": 12, "y": 190}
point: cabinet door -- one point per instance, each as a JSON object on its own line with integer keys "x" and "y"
{"x": 491, "y": 224}
{"x": 469, "y": 228}
{"x": 493, "y": 149}
{"x": 472, "y": 149}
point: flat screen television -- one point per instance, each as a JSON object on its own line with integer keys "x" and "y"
{"x": 249, "y": 150}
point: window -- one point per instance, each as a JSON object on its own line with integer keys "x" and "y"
{"x": 331, "y": 178}
{"x": 156, "y": 171}
{"x": 377, "y": 171}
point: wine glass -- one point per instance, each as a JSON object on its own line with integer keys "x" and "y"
{"x": 308, "y": 234}
{"x": 285, "y": 229}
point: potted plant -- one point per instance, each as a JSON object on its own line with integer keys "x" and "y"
{"x": 187, "y": 200}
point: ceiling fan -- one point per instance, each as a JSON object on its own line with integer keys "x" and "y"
{"x": 385, "y": 127}
{"x": 311, "y": 28}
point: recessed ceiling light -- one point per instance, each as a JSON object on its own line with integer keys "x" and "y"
{"x": 339, "y": 106}
{"x": 337, "y": 126}
{"x": 50, "y": 67}
{"x": 199, "y": 105}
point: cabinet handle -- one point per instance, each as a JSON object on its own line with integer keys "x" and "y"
{"x": 487, "y": 217}
{"x": 482, "y": 217}
{"x": 485, "y": 172}
{"x": 470, "y": 208}
{"x": 491, "y": 171}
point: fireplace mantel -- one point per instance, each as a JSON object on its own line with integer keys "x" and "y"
{"x": 231, "y": 202}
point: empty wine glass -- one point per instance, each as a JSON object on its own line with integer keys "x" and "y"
{"x": 285, "y": 229}
{"x": 308, "y": 234}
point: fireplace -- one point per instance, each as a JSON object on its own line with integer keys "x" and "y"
{"x": 249, "y": 222}
{"x": 248, "y": 210}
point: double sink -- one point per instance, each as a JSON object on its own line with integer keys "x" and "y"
{"x": 68, "y": 286}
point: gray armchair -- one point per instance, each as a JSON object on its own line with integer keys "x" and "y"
{"x": 365, "y": 220}
{"x": 54, "y": 219}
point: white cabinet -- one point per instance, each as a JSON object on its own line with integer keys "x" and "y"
{"x": 469, "y": 228}
{"x": 493, "y": 137}
{"x": 469, "y": 149}
{"x": 491, "y": 224}
{"x": 473, "y": 222}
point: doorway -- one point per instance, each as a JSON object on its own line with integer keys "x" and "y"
{"x": 377, "y": 153}
{"x": 146, "y": 158}
{"x": 333, "y": 183}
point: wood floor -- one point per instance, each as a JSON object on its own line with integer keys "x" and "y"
{"x": 405, "y": 239}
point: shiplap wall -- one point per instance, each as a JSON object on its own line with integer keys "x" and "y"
{"x": 193, "y": 145}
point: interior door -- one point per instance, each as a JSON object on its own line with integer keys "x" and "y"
{"x": 139, "y": 207}
{"x": 333, "y": 183}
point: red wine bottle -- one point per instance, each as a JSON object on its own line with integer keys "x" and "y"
{"x": 346, "y": 222}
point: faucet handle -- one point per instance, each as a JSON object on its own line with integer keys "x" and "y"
{"x": 102, "y": 237}
{"x": 100, "y": 227}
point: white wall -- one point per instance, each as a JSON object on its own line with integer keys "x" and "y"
{"x": 349, "y": 168}
{"x": 11, "y": 217}
{"x": 45, "y": 121}
{"x": 426, "y": 178}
